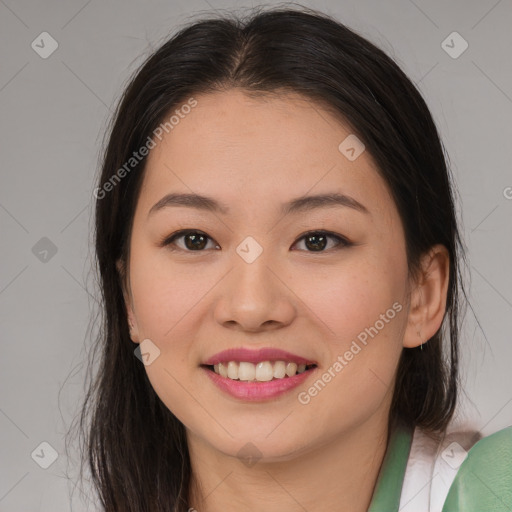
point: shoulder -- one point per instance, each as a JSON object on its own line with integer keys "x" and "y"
{"x": 484, "y": 478}
{"x": 458, "y": 471}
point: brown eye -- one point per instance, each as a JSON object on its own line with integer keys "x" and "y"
{"x": 194, "y": 241}
{"x": 317, "y": 241}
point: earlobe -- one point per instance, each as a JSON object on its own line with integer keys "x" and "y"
{"x": 132, "y": 322}
{"x": 132, "y": 325}
{"x": 428, "y": 298}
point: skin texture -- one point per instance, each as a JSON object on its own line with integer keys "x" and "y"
{"x": 253, "y": 155}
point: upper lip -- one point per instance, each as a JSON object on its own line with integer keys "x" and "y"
{"x": 255, "y": 356}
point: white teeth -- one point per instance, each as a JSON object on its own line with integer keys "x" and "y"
{"x": 279, "y": 369}
{"x": 233, "y": 370}
{"x": 291, "y": 369}
{"x": 222, "y": 370}
{"x": 246, "y": 371}
{"x": 264, "y": 371}
{"x": 261, "y": 372}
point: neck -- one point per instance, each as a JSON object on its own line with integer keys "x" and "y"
{"x": 339, "y": 474}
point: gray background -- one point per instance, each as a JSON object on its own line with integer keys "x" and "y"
{"x": 54, "y": 112}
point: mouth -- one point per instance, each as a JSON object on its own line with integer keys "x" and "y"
{"x": 257, "y": 375}
{"x": 266, "y": 383}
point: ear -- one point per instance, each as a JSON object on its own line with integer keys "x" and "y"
{"x": 132, "y": 321}
{"x": 428, "y": 297}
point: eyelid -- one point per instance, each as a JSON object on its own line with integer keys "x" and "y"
{"x": 168, "y": 240}
{"x": 342, "y": 240}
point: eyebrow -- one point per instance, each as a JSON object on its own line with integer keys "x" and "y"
{"x": 297, "y": 205}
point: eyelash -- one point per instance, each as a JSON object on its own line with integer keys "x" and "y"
{"x": 342, "y": 242}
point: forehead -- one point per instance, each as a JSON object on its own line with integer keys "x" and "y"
{"x": 241, "y": 149}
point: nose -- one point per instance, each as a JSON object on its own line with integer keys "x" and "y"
{"x": 255, "y": 297}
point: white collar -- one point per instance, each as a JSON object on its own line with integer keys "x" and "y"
{"x": 432, "y": 467}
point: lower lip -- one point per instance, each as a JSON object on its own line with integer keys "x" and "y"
{"x": 257, "y": 391}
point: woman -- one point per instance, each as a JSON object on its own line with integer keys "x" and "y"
{"x": 276, "y": 239}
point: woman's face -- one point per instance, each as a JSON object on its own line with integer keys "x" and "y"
{"x": 255, "y": 281}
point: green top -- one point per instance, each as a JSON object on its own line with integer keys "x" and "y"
{"x": 386, "y": 495}
{"x": 484, "y": 479}
{"x": 483, "y": 482}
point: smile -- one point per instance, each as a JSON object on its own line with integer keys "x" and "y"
{"x": 256, "y": 390}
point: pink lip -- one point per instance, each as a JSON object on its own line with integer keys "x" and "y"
{"x": 255, "y": 356}
{"x": 257, "y": 391}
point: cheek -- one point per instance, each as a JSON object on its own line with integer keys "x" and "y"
{"x": 361, "y": 314}
{"x": 166, "y": 300}
{"x": 351, "y": 298}
{"x": 162, "y": 292}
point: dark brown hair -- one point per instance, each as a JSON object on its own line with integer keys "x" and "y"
{"x": 135, "y": 447}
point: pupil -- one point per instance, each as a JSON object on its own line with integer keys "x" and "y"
{"x": 316, "y": 246}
